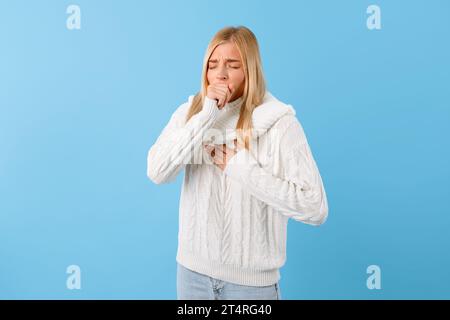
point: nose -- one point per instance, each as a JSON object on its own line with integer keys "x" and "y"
{"x": 222, "y": 74}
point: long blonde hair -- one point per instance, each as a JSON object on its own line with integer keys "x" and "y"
{"x": 255, "y": 85}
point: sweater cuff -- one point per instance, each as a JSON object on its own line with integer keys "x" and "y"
{"x": 241, "y": 162}
{"x": 210, "y": 108}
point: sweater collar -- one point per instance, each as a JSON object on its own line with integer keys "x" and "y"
{"x": 264, "y": 117}
{"x": 233, "y": 104}
{"x": 271, "y": 110}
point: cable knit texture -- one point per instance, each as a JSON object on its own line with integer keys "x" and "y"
{"x": 233, "y": 223}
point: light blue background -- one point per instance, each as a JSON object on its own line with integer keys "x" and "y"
{"x": 79, "y": 110}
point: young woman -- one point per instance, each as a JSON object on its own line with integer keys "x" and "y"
{"x": 248, "y": 169}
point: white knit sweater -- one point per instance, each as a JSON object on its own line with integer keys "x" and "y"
{"x": 233, "y": 223}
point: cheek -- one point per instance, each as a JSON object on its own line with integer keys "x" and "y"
{"x": 238, "y": 78}
{"x": 210, "y": 75}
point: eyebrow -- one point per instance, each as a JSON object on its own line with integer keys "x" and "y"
{"x": 227, "y": 60}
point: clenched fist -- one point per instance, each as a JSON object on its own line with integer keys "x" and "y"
{"x": 220, "y": 92}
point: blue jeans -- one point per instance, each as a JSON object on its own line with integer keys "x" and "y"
{"x": 192, "y": 285}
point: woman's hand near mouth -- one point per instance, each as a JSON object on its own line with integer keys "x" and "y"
{"x": 220, "y": 92}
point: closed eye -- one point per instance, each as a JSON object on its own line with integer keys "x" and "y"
{"x": 233, "y": 67}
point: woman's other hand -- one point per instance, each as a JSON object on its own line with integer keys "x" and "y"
{"x": 221, "y": 154}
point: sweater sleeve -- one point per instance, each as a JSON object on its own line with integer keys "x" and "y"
{"x": 179, "y": 141}
{"x": 298, "y": 192}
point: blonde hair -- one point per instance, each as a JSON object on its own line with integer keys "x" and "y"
{"x": 255, "y": 85}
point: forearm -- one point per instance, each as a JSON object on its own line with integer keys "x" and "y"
{"x": 304, "y": 200}
{"x": 175, "y": 147}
